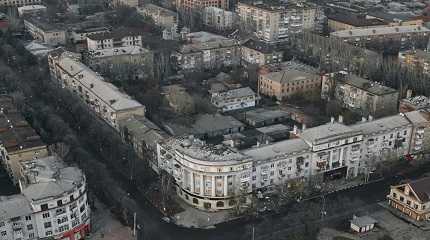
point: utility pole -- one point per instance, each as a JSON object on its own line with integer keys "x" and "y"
{"x": 134, "y": 225}
{"x": 253, "y": 232}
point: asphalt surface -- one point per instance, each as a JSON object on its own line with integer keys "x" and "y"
{"x": 364, "y": 198}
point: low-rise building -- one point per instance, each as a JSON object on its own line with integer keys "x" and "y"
{"x": 412, "y": 199}
{"x": 234, "y": 99}
{"x": 362, "y": 224}
{"x": 113, "y": 39}
{"x": 260, "y": 53}
{"x": 212, "y": 125}
{"x": 218, "y": 18}
{"x": 162, "y": 17}
{"x": 19, "y": 141}
{"x": 103, "y": 98}
{"x": 16, "y": 3}
{"x": 288, "y": 82}
{"x": 205, "y": 50}
{"x": 359, "y": 94}
{"x": 46, "y": 32}
{"x": 127, "y": 3}
{"x": 261, "y": 117}
{"x": 31, "y": 9}
{"x": 79, "y": 35}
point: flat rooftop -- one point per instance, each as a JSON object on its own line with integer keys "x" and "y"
{"x": 279, "y": 150}
{"x": 49, "y": 177}
{"x": 381, "y": 125}
{"x": 328, "y": 132}
{"x": 155, "y": 9}
{"x": 207, "y": 123}
{"x": 14, "y": 206}
{"x": 233, "y": 94}
{"x": 376, "y": 31}
{"x": 201, "y": 151}
{"x": 355, "y": 20}
{"x": 289, "y": 76}
{"x": 116, "y": 34}
{"x": 118, "y": 51}
{"x": 263, "y": 114}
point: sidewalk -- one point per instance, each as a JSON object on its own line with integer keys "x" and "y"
{"x": 423, "y": 225}
{"x": 194, "y": 218}
{"x": 105, "y": 226}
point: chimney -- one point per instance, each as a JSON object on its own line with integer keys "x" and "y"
{"x": 332, "y": 119}
{"x": 303, "y": 126}
{"x": 409, "y": 93}
{"x": 363, "y": 119}
{"x": 340, "y": 119}
{"x": 370, "y": 118}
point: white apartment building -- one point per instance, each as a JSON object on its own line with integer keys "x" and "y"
{"x": 276, "y": 23}
{"x": 31, "y": 9}
{"x": 103, "y": 98}
{"x": 17, "y": 3}
{"x": 234, "y": 99}
{"x": 116, "y": 38}
{"x": 53, "y": 203}
{"x": 81, "y": 34}
{"x": 218, "y": 18}
{"x": 328, "y": 151}
{"x": 128, "y": 3}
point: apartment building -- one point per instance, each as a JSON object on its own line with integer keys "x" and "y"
{"x": 412, "y": 198}
{"x": 205, "y": 50}
{"x": 409, "y": 35}
{"x": 19, "y": 141}
{"x": 287, "y": 82}
{"x": 114, "y": 39}
{"x": 53, "y": 203}
{"x": 190, "y": 6}
{"x": 18, "y": 3}
{"x": 209, "y": 176}
{"x": 162, "y": 17}
{"x": 102, "y": 97}
{"x": 416, "y": 59}
{"x": 260, "y": 53}
{"x": 218, "y": 18}
{"x": 358, "y": 94}
{"x": 275, "y": 23}
{"x": 47, "y": 32}
{"x": 234, "y": 99}
{"x": 143, "y": 135}
{"x": 79, "y": 35}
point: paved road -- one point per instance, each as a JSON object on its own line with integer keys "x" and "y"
{"x": 365, "y": 198}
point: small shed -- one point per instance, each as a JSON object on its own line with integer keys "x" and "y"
{"x": 362, "y": 224}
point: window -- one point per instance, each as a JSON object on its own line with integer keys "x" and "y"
{"x": 44, "y": 207}
{"x": 394, "y": 195}
{"x": 408, "y": 202}
{"x": 59, "y": 203}
{"x": 82, "y": 209}
{"x": 195, "y": 201}
{"x": 45, "y": 215}
{"x": 1, "y": 224}
{"x": 47, "y": 224}
{"x": 3, "y": 233}
{"x": 29, "y": 227}
{"x": 72, "y": 198}
{"x": 402, "y": 199}
{"x": 48, "y": 233}
{"x": 254, "y": 178}
{"x": 220, "y": 204}
{"x": 27, "y": 218}
{"x": 31, "y": 235}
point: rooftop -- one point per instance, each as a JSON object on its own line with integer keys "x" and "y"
{"x": 261, "y": 46}
{"x": 274, "y": 129}
{"x": 110, "y": 94}
{"x": 355, "y": 20}
{"x": 263, "y": 114}
{"x": 206, "y": 123}
{"x": 274, "y": 5}
{"x": 38, "y": 49}
{"x": 233, "y": 94}
{"x": 198, "y": 41}
{"x": 418, "y": 101}
{"x": 49, "y": 177}
{"x": 117, "y": 51}
{"x": 363, "y": 221}
{"x": 31, "y": 7}
{"x": 289, "y": 76}
{"x": 277, "y": 150}
{"x": 116, "y": 34}
{"x": 14, "y": 206}
{"x": 45, "y": 23}
{"x": 15, "y": 132}
{"x": 367, "y": 85}
{"x": 375, "y": 31}
{"x": 421, "y": 187}
{"x": 391, "y": 16}
{"x": 328, "y": 132}
{"x": 201, "y": 151}
{"x": 381, "y": 125}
